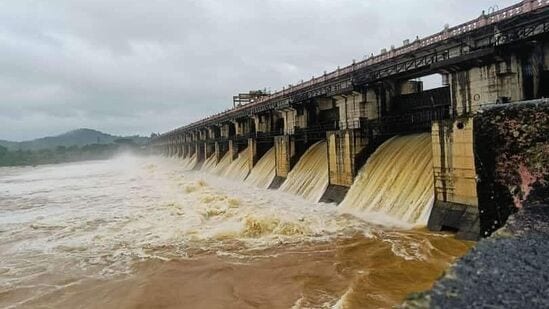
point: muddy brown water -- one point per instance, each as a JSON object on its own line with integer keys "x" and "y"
{"x": 146, "y": 233}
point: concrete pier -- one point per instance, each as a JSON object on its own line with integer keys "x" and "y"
{"x": 220, "y": 149}
{"x": 456, "y": 200}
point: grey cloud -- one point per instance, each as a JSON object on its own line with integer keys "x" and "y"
{"x": 139, "y": 66}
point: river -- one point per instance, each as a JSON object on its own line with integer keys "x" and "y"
{"x": 143, "y": 232}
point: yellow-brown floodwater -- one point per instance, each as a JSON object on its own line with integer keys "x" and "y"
{"x": 147, "y": 233}
{"x": 396, "y": 184}
{"x": 309, "y": 177}
{"x": 263, "y": 172}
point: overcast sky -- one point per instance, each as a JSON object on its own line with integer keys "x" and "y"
{"x": 136, "y": 67}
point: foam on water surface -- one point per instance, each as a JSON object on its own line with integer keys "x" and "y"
{"x": 71, "y": 223}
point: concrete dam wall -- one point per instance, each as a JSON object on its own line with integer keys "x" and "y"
{"x": 331, "y": 139}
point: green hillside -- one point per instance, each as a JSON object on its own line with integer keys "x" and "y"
{"x": 79, "y": 138}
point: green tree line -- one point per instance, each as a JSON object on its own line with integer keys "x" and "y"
{"x": 63, "y": 154}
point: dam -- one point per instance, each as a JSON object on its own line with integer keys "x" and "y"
{"x": 358, "y": 188}
{"x": 371, "y": 138}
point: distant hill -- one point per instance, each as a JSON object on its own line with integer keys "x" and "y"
{"x": 79, "y": 137}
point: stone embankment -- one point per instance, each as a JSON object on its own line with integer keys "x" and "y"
{"x": 511, "y": 155}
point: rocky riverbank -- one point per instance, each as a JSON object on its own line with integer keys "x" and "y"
{"x": 511, "y": 155}
{"x": 509, "y": 269}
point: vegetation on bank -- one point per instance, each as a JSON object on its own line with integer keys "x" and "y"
{"x": 78, "y": 137}
{"x": 62, "y": 154}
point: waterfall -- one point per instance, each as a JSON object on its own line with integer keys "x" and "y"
{"x": 238, "y": 169}
{"x": 190, "y": 162}
{"x": 263, "y": 172}
{"x": 396, "y": 182}
{"x": 209, "y": 164}
{"x": 309, "y": 177}
{"x": 222, "y": 165}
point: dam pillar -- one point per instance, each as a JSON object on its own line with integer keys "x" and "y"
{"x": 252, "y": 153}
{"x": 220, "y": 149}
{"x": 243, "y": 126}
{"x": 256, "y": 150}
{"x": 180, "y": 146}
{"x": 199, "y": 150}
{"x": 173, "y": 147}
{"x": 214, "y": 132}
{"x": 192, "y": 149}
{"x": 499, "y": 82}
{"x": 169, "y": 147}
{"x": 267, "y": 122}
{"x": 233, "y": 150}
{"x": 352, "y": 110}
{"x": 346, "y": 146}
{"x": 288, "y": 116}
{"x": 456, "y": 203}
{"x": 284, "y": 152}
{"x": 186, "y": 145}
{"x": 209, "y": 149}
{"x": 346, "y": 154}
{"x": 176, "y": 149}
{"x": 176, "y": 146}
{"x": 288, "y": 151}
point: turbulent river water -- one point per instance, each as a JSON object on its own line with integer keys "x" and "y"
{"x": 146, "y": 232}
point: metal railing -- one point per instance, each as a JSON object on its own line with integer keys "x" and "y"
{"x": 518, "y": 9}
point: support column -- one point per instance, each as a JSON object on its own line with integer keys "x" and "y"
{"x": 352, "y": 109}
{"x": 256, "y": 150}
{"x": 289, "y": 119}
{"x": 497, "y": 82}
{"x": 284, "y": 152}
{"x": 220, "y": 150}
{"x": 233, "y": 150}
{"x": 371, "y": 104}
{"x": 199, "y": 149}
{"x": 347, "y": 150}
{"x": 242, "y": 126}
{"x": 172, "y": 148}
{"x": 252, "y": 153}
{"x": 180, "y": 146}
{"x": 209, "y": 149}
{"x": 288, "y": 151}
{"x": 456, "y": 201}
{"x": 185, "y": 150}
{"x": 346, "y": 154}
{"x": 192, "y": 149}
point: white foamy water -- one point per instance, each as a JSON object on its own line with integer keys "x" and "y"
{"x": 96, "y": 218}
{"x": 64, "y": 226}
